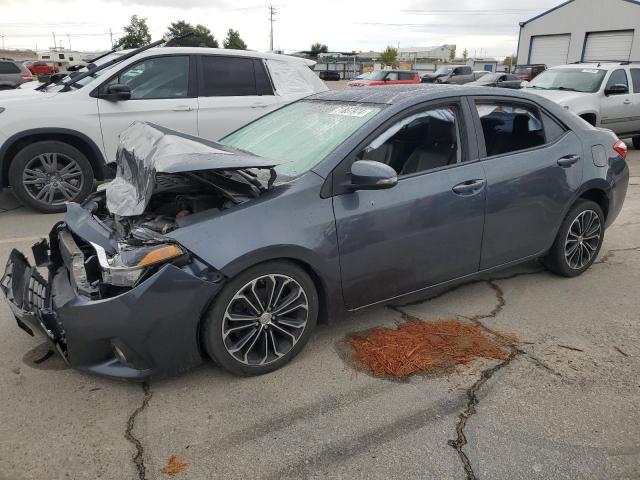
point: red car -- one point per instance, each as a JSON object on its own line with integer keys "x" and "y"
{"x": 386, "y": 77}
{"x": 42, "y": 68}
{"x": 529, "y": 72}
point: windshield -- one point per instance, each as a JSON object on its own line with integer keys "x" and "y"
{"x": 302, "y": 133}
{"x": 444, "y": 70}
{"x": 587, "y": 80}
{"x": 379, "y": 75}
{"x": 523, "y": 70}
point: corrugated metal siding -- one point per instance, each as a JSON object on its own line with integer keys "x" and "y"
{"x": 608, "y": 46}
{"x": 550, "y": 50}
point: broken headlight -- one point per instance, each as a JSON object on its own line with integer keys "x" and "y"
{"x": 127, "y": 266}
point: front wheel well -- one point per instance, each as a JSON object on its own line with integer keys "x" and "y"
{"x": 598, "y": 196}
{"x": 84, "y": 145}
{"x": 590, "y": 118}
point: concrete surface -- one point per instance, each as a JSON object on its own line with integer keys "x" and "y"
{"x": 565, "y": 406}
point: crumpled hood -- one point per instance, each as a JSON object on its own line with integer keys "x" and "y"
{"x": 562, "y": 97}
{"x": 147, "y": 149}
{"x": 20, "y": 95}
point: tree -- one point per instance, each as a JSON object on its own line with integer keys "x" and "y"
{"x": 465, "y": 55}
{"x": 201, "y": 35}
{"x": 234, "y": 41}
{"x": 452, "y": 53}
{"x": 510, "y": 60}
{"x": 136, "y": 34}
{"x": 389, "y": 56}
{"x": 317, "y": 48}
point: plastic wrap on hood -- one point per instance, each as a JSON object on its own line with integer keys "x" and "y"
{"x": 146, "y": 149}
{"x": 293, "y": 78}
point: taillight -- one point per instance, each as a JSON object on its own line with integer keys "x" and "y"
{"x": 621, "y": 148}
{"x": 26, "y": 75}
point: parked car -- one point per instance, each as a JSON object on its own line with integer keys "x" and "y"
{"x": 362, "y": 76}
{"x": 603, "y": 94}
{"x": 13, "y": 74}
{"x": 237, "y": 249}
{"x": 42, "y": 68}
{"x": 386, "y": 77}
{"x": 329, "y": 75}
{"x": 529, "y": 72}
{"x": 458, "y": 74}
{"x": 502, "y": 80}
{"x": 55, "y": 140}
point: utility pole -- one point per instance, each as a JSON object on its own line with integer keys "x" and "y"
{"x": 272, "y": 12}
{"x": 111, "y": 36}
{"x": 69, "y": 38}
{"x": 54, "y": 40}
{"x": 2, "y": 41}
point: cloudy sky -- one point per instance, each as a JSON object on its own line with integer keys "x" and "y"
{"x": 483, "y": 27}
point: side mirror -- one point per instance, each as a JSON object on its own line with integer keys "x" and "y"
{"x": 617, "y": 89}
{"x": 370, "y": 175}
{"x": 116, "y": 93}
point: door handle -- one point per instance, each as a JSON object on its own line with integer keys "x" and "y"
{"x": 567, "y": 161}
{"x": 259, "y": 105}
{"x": 182, "y": 108}
{"x": 468, "y": 187}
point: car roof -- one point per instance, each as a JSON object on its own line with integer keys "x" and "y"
{"x": 414, "y": 93}
{"x": 600, "y": 65}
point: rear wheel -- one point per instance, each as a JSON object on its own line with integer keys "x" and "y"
{"x": 578, "y": 241}
{"x": 261, "y": 319}
{"x": 45, "y": 175}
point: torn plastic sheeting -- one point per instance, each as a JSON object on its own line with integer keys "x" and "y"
{"x": 146, "y": 149}
{"x": 291, "y": 78}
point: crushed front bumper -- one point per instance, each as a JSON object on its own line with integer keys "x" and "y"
{"x": 149, "y": 331}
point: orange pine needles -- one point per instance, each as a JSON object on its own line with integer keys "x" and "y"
{"x": 421, "y": 347}
{"x": 174, "y": 466}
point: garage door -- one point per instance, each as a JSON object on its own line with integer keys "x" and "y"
{"x": 608, "y": 46}
{"x": 550, "y": 49}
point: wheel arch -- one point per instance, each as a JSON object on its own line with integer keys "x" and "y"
{"x": 79, "y": 140}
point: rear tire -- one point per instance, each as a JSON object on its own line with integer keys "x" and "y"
{"x": 251, "y": 329}
{"x": 45, "y": 175}
{"x": 578, "y": 241}
{"x": 636, "y": 142}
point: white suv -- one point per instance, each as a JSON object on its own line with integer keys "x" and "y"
{"x": 604, "y": 94}
{"x": 54, "y": 141}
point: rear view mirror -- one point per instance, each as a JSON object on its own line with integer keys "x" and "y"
{"x": 116, "y": 93}
{"x": 617, "y": 89}
{"x": 371, "y": 175}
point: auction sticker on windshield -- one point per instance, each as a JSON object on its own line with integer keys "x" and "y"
{"x": 351, "y": 111}
{"x": 589, "y": 70}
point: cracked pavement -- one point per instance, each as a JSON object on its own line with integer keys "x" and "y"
{"x": 564, "y": 405}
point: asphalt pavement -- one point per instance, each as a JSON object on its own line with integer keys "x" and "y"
{"x": 566, "y": 405}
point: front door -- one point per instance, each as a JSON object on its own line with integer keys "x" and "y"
{"x": 160, "y": 94}
{"x": 533, "y": 168}
{"x": 617, "y": 111}
{"x": 425, "y": 230}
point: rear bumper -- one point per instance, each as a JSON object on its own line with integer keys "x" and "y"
{"x": 150, "y": 331}
{"x": 618, "y": 178}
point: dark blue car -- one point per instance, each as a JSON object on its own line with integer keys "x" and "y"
{"x": 235, "y": 250}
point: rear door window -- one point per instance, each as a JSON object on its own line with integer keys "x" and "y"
{"x": 406, "y": 76}
{"x": 8, "y": 67}
{"x": 510, "y": 127}
{"x": 635, "y": 78}
{"x": 222, "y": 76}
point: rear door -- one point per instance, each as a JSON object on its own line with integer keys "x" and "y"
{"x": 232, "y": 91}
{"x": 533, "y": 167}
{"x": 162, "y": 92}
{"x": 425, "y": 230}
{"x": 635, "y": 98}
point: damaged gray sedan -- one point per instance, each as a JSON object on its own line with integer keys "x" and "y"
{"x": 235, "y": 250}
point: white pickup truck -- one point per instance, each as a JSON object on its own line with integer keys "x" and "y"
{"x": 603, "y": 94}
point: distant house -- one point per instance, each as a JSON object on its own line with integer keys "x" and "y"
{"x": 484, "y": 64}
{"x": 582, "y": 30}
{"x": 440, "y": 52}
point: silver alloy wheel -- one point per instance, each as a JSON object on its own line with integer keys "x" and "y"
{"x": 583, "y": 239}
{"x": 265, "y": 319}
{"x": 53, "y": 178}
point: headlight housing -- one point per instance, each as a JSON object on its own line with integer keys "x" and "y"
{"x": 127, "y": 266}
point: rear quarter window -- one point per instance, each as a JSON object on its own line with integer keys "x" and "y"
{"x": 8, "y": 67}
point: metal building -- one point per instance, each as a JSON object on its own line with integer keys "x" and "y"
{"x": 582, "y": 30}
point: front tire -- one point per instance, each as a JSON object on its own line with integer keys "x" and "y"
{"x": 45, "y": 175}
{"x": 578, "y": 241}
{"x": 261, "y": 319}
